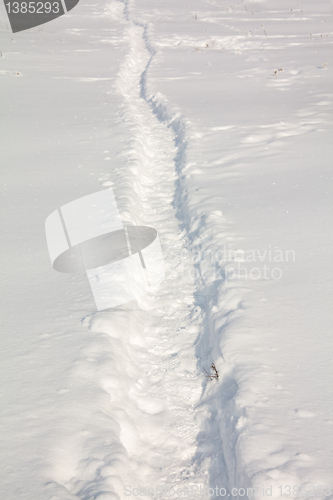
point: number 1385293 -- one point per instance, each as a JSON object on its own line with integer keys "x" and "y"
{"x": 33, "y": 7}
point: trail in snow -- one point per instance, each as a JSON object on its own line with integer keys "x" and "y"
{"x": 156, "y": 349}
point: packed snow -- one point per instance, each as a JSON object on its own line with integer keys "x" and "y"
{"x": 211, "y": 121}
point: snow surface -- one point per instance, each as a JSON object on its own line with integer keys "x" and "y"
{"x": 211, "y": 121}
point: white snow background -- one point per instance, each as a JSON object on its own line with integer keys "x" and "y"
{"x": 211, "y": 120}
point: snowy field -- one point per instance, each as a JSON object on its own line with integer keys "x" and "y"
{"x": 211, "y": 120}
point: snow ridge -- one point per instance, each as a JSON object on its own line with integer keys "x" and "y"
{"x": 218, "y": 436}
{"x": 161, "y": 423}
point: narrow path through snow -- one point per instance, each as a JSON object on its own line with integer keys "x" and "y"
{"x": 150, "y": 371}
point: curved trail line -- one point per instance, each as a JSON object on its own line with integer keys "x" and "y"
{"x": 162, "y": 419}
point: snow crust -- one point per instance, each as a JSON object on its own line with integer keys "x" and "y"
{"x": 211, "y": 121}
